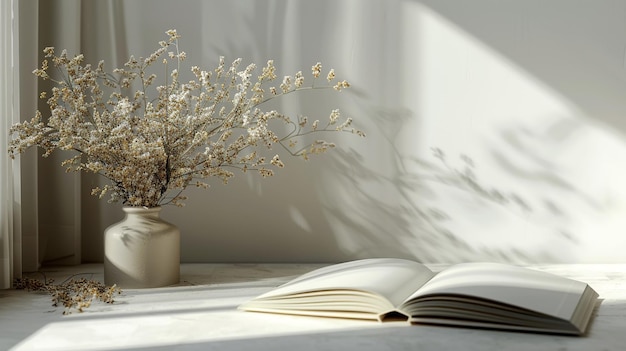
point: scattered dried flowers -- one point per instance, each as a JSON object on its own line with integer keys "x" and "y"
{"x": 152, "y": 141}
{"x": 72, "y": 294}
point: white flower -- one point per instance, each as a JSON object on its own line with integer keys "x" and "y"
{"x": 123, "y": 108}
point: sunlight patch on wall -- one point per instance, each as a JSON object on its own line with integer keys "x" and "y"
{"x": 524, "y": 138}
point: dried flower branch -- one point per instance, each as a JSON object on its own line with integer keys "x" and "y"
{"x": 153, "y": 141}
{"x": 72, "y": 294}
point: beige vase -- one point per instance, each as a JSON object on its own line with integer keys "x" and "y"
{"x": 142, "y": 251}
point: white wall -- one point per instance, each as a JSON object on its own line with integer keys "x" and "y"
{"x": 530, "y": 91}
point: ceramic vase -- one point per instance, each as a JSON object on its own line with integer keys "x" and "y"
{"x": 141, "y": 251}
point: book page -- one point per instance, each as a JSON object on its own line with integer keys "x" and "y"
{"x": 393, "y": 279}
{"x": 526, "y": 288}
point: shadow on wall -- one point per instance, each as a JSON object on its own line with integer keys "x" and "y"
{"x": 374, "y": 199}
{"x": 418, "y": 207}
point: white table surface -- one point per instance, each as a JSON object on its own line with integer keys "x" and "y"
{"x": 200, "y": 314}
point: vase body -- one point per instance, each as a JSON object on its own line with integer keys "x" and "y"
{"x": 141, "y": 251}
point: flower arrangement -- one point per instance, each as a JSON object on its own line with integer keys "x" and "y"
{"x": 152, "y": 141}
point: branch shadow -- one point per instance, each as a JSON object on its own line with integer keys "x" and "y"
{"x": 390, "y": 211}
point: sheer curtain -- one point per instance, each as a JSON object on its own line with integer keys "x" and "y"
{"x": 9, "y": 171}
{"x": 40, "y": 207}
{"x": 52, "y": 199}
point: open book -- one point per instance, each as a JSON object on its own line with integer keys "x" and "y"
{"x": 484, "y": 295}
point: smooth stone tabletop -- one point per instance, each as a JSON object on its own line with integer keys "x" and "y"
{"x": 201, "y": 313}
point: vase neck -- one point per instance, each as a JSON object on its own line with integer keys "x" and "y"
{"x": 152, "y": 212}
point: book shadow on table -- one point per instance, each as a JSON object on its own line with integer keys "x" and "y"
{"x": 401, "y": 336}
{"x": 605, "y": 326}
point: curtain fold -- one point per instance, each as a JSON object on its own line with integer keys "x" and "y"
{"x": 9, "y": 171}
{"x": 26, "y": 98}
{"x": 53, "y": 201}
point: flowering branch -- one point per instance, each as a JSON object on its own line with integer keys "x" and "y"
{"x": 152, "y": 141}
